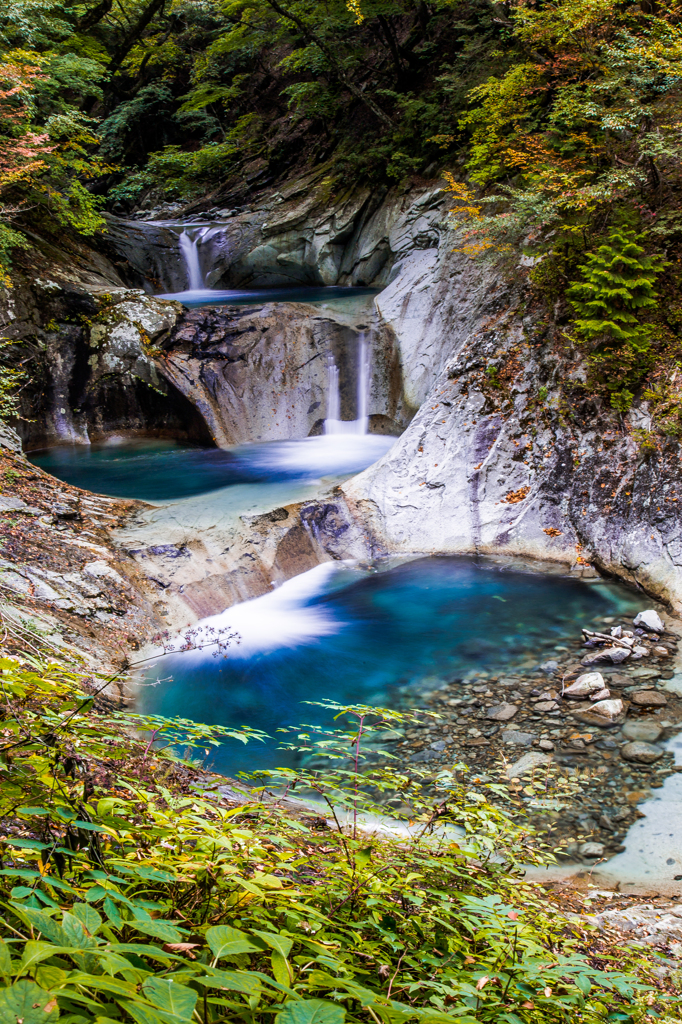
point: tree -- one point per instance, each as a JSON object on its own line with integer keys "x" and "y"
{"x": 618, "y": 284}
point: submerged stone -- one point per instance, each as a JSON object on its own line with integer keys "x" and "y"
{"x": 502, "y": 712}
{"x": 533, "y": 759}
{"x": 649, "y": 732}
{"x": 649, "y": 699}
{"x": 643, "y": 753}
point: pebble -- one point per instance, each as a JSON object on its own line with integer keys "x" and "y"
{"x": 661, "y": 652}
{"x": 587, "y": 683}
{"x": 521, "y": 739}
{"x": 502, "y": 712}
{"x": 546, "y": 745}
{"x": 649, "y": 698}
{"x": 643, "y": 753}
{"x": 546, "y": 705}
{"x": 602, "y": 695}
{"x": 604, "y": 712}
{"x": 649, "y": 732}
{"x": 651, "y": 620}
{"x": 591, "y": 850}
{"x": 526, "y": 763}
{"x": 615, "y": 655}
{"x": 549, "y": 667}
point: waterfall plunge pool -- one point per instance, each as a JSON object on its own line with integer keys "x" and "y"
{"x": 379, "y": 634}
{"x": 158, "y": 470}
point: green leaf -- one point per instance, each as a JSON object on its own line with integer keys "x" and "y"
{"x": 111, "y": 910}
{"x": 27, "y": 1003}
{"x": 170, "y": 996}
{"x": 34, "y": 952}
{"x": 45, "y": 924}
{"x": 88, "y": 917}
{"x": 311, "y": 1011}
{"x": 281, "y": 969}
{"x": 235, "y": 981}
{"x": 141, "y": 1014}
{"x": 75, "y": 933}
{"x": 584, "y": 984}
{"x": 5, "y": 960}
{"x": 226, "y": 941}
{"x": 282, "y": 943}
{"x": 163, "y": 930}
{"x": 147, "y": 873}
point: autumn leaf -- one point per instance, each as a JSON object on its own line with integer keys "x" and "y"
{"x": 482, "y": 982}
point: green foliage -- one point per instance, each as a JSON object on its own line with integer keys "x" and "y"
{"x": 617, "y": 285}
{"x": 132, "y": 893}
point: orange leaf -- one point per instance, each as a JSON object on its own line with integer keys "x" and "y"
{"x": 528, "y": 1006}
{"x": 513, "y": 915}
{"x": 481, "y": 982}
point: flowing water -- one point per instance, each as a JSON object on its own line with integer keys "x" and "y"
{"x": 368, "y": 634}
{"x": 197, "y": 293}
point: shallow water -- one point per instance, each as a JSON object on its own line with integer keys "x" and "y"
{"x": 159, "y": 471}
{"x": 359, "y": 635}
{"x": 242, "y": 297}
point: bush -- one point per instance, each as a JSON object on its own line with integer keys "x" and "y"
{"x": 133, "y": 893}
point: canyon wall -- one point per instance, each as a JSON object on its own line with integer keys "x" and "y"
{"x": 506, "y": 454}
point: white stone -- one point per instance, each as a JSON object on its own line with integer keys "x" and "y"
{"x": 608, "y": 709}
{"x": 502, "y": 712}
{"x": 651, "y": 620}
{"x": 584, "y": 685}
{"x": 533, "y": 759}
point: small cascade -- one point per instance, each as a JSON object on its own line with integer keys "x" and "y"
{"x": 189, "y": 248}
{"x": 333, "y": 424}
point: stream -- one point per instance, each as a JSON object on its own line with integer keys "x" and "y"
{"x": 390, "y": 632}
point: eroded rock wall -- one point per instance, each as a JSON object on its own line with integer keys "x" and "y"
{"x": 300, "y": 235}
{"x": 505, "y": 455}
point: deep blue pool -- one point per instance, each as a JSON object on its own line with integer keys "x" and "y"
{"x": 352, "y": 635}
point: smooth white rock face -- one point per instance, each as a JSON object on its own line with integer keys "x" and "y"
{"x": 651, "y": 620}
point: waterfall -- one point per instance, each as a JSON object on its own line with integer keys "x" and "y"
{"x": 189, "y": 248}
{"x": 333, "y": 424}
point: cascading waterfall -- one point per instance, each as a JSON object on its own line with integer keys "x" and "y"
{"x": 333, "y": 424}
{"x": 189, "y": 249}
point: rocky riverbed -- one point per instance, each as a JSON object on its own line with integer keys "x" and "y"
{"x": 594, "y": 732}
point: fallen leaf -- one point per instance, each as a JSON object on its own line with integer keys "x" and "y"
{"x": 528, "y": 1006}
{"x": 181, "y": 947}
{"x": 548, "y": 992}
{"x": 482, "y": 982}
{"x": 513, "y": 915}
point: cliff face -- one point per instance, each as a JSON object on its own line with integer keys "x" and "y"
{"x": 504, "y": 456}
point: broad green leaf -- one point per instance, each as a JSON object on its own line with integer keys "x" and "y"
{"x": 311, "y": 1011}
{"x": 584, "y": 984}
{"x": 281, "y": 969}
{"x": 170, "y": 996}
{"x": 88, "y": 917}
{"x": 5, "y": 960}
{"x": 158, "y": 930}
{"x": 235, "y": 981}
{"x": 142, "y": 1014}
{"x": 226, "y": 941}
{"x": 34, "y": 952}
{"x": 27, "y": 1003}
{"x": 147, "y": 873}
{"x": 111, "y": 910}
{"x": 75, "y": 933}
{"x": 282, "y": 943}
{"x": 43, "y": 923}
{"x": 50, "y": 977}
